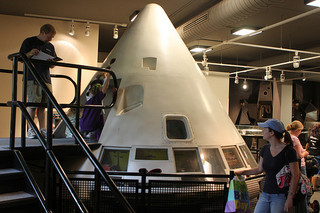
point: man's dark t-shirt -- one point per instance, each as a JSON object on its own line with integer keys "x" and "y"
{"x": 43, "y": 69}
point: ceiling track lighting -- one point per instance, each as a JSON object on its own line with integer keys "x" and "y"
{"x": 115, "y": 32}
{"x": 296, "y": 60}
{"x": 268, "y": 75}
{"x": 245, "y": 84}
{"x": 236, "y": 79}
{"x": 72, "y": 32}
{"x": 87, "y": 31}
{"x": 282, "y": 77}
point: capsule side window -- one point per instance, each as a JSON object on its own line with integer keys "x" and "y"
{"x": 187, "y": 160}
{"x": 151, "y": 154}
{"x": 233, "y": 157}
{"x": 115, "y": 159}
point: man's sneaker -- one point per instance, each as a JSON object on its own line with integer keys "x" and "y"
{"x": 43, "y": 132}
{"x": 31, "y": 134}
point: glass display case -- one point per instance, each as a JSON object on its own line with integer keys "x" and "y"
{"x": 249, "y": 130}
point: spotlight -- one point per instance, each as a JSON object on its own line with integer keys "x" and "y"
{"x": 296, "y": 60}
{"x": 304, "y": 77}
{"x": 87, "y": 32}
{"x": 115, "y": 32}
{"x": 71, "y": 32}
{"x": 205, "y": 61}
{"x": 236, "y": 79}
{"x": 245, "y": 84}
{"x": 282, "y": 77}
{"x": 268, "y": 73}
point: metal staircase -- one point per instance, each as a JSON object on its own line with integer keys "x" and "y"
{"x": 16, "y": 192}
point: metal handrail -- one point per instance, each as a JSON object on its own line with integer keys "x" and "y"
{"x": 73, "y": 130}
{"x": 51, "y": 75}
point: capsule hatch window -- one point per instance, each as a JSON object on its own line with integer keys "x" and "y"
{"x": 177, "y": 128}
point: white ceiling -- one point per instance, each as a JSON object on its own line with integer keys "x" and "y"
{"x": 300, "y": 34}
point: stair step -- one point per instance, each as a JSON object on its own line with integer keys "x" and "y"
{"x": 13, "y": 197}
{"x": 10, "y": 171}
{"x": 10, "y": 174}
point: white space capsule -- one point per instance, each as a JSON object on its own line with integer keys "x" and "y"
{"x": 166, "y": 115}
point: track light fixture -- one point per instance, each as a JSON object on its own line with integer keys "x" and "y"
{"x": 304, "y": 77}
{"x": 296, "y": 60}
{"x": 87, "y": 32}
{"x": 71, "y": 32}
{"x": 282, "y": 77}
{"x": 205, "y": 61}
{"x": 245, "y": 84}
{"x": 268, "y": 73}
{"x": 115, "y": 32}
{"x": 236, "y": 79}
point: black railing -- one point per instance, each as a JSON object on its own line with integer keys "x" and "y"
{"x": 153, "y": 192}
{"x": 47, "y": 144}
{"x": 150, "y": 192}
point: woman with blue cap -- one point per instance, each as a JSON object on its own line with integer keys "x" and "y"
{"x": 273, "y": 156}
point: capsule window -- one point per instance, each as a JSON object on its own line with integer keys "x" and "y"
{"x": 233, "y": 157}
{"x": 248, "y": 156}
{"x": 177, "y": 128}
{"x": 151, "y": 154}
{"x": 115, "y": 159}
{"x": 149, "y": 63}
{"x": 187, "y": 160}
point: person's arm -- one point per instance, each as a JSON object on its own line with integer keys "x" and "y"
{"x": 300, "y": 151}
{"x": 307, "y": 146}
{"x": 295, "y": 175}
{"x": 252, "y": 171}
{"x": 106, "y": 83}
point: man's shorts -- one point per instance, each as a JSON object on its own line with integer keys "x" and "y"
{"x": 35, "y": 92}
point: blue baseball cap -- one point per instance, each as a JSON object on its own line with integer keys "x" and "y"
{"x": 273, "y": 124}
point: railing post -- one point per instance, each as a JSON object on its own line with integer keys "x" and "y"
{"x": 14, "y": 99}
{"x": 24, "y": 100}
{"x": 97, "y": 191}
{"x": 78, "y": 98}
{"x": 143, "y": 173}
{"x": 49, "y": 170}
{"x": 49, "y": 125}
